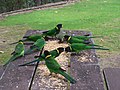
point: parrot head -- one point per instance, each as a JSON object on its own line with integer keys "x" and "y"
{"x": 68, "y": 49}
{"x": 59, "y": 26}
{"x": 60, "y": 49}
{"x": 66, "y": 37}
{"x": 20, "y": 41}
{"x": 47, "y": 54}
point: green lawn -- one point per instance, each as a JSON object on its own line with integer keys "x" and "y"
{"x": 101, "y": 17}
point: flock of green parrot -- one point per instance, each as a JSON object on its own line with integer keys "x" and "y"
{"x": 76, "y": 44}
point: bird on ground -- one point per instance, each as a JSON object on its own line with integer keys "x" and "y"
{"x": 77, "y": 47}
{"x": 54, "y": 66}
{"x": 37, "y": 46}
{"x": 54, "y": 53}
{"x": 71, "y": 40}
{"x": 53, "y": 32}
{"x": 19, "y": 51}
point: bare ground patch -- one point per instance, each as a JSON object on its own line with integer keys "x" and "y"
{"x": 109, "y": 59}
{"x": 7, "y": 36}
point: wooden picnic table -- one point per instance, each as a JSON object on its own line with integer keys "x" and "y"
{"x": 86, "y": 73}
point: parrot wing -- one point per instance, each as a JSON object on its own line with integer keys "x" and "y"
{"x": 19, "y": 48}
{"x": 52, "y": 64}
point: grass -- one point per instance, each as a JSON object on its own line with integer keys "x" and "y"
{"x": 101, "y": 17}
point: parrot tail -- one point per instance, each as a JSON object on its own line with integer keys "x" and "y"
{"x": 86, "y": 42}
{"x": 14, "y": 43}
{"x": 25, "y": 36}
{"x": 40, "y": 57}
{"x": 10, "y": 60}
{"x": 44, "y": 32}
{"x": 95, "y": 36}
{"x": 36, "y": 56}
{"x": 17, "y": 42}
{"x": 87, "y": 34}
{"x": 100, "y": 48}
{"x": 68, "y": 77}
{"x": 29, "y": 63}
{"x": 95, "y": 45}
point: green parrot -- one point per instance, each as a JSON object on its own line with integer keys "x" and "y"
{"x": 33, "y": 38}
{"x": 38, "y": 45}
{"x": 77, "y": 47}
{"x": 85, "y": 37}
{"x": 54, "y": 66}
{"x": 55, "y": 53}
{"x": 71, "y": 40}
{"x": 19, "y": 51}
{"x": 53, "y": 32}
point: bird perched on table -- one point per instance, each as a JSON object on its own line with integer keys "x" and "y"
{"x": 53, "y": 32}
{"x": 77, "y": 47}
{"x": 54, "y": 66}
{"x": 71, "y": 40}
{"x": 19, "y": 51}
{"x": 33, "y": 38}
{"x": 38, "y": 45}
{"x": 54, "y": 53}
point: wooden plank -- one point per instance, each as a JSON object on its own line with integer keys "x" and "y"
{"x": 88, "y": 77}
{"x": 84, "y": 67}
{"x": 112, "y": 78}
{"x": 15, "y": 77}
